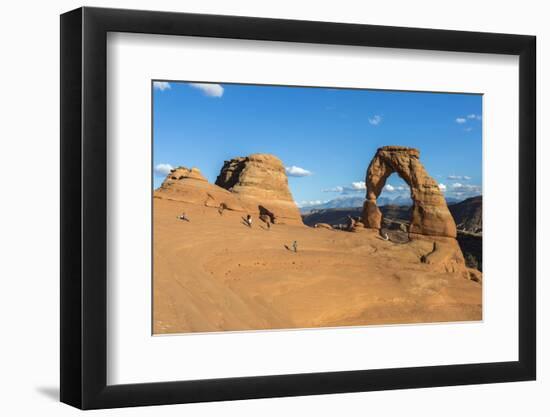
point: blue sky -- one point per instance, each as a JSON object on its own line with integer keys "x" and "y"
{"x": 325, "y": 137}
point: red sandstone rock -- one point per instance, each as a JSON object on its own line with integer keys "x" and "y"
{"x": 260, "y": 181}
{"x": 430, "y": 214}
{"x": 256, "y": 185}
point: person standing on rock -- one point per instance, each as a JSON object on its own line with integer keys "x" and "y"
{"x": 249, "y": 220}
{"x": 221, "y": 208}
{"x": 295, "y": 246}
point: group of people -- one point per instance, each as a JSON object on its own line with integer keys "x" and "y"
{"x": 294, "y": 247}
{"x": 248, "y": 219}
{"x": 183, "y": 216}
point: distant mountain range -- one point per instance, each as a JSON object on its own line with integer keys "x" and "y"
{"x": 467, "y": 213}
{"x": 357, "y": 201}
{"x": 340, "y": 202}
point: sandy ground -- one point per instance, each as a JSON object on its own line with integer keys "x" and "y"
{"x": 214, "y": 273}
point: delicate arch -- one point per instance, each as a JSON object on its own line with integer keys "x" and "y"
{"x": 430, "y": 214}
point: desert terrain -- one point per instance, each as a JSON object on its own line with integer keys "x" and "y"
{"x": 213, "y": 271}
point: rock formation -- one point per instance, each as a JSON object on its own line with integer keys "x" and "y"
{"x": 430, "y": 214}
{"x": 256, "y": 185}
{"x": 190, "y": 186}
{"x": 431, "y": 222}
{"x": 357, "y": 227}
{"x": 181, "y": 173}
{"x": 261, "y": 183}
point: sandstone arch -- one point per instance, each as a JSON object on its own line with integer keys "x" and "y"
{"x": 430, "y": 214}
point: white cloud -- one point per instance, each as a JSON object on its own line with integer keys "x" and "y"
{"x": 355, "y": 187}
{"x": 295, "y": 171}
{"x": 459, "y": 177}
{"x": 161, "y": 85}
{"x": 163, "y": 169}
{"x": 375, "y": 120}
{"x": 463, "y": 191}
{"x": 359, "y": 185}
{"x": 337, "y": 189}
{"x": 465, "y": 187}
{"x": 210, "y": 90}
{"x": 396, "y": 190}
{"x": 474, "y": 116}
{"x": 457, "y": 189}
{"x": 465, "y": 119}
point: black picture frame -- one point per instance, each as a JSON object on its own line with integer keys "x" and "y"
{"x": 84, "y": 207}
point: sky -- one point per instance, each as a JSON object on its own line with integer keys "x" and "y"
{"x": 325, "y": 137}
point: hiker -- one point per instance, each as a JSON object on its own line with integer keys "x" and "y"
{"x": 183, "y": 216}
{"x": 249, "y": 220}
{"x": 295, "y": 246}
{"x": 221, "y": 208}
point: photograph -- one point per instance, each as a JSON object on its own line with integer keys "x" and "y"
{"x": 290, "y": 207}
{"x": 285, "y": 208}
